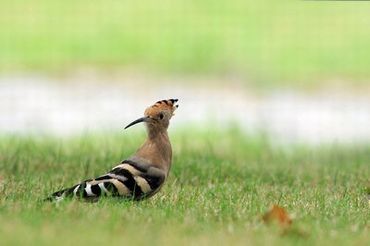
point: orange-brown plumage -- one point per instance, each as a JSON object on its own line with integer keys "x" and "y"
{"x": 157, "y": 147}
{"x": 142, "y": 174}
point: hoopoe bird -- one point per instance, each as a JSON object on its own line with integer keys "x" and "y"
{"x": 141, "y": 175}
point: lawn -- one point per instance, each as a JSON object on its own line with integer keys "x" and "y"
{"x": 221, "y": 183}
{"x": 268, "y": 43}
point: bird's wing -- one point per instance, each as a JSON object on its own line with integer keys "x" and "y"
{"x": 130, "y": 179}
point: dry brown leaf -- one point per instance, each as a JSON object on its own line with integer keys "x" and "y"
{"x": 278, "y": 215}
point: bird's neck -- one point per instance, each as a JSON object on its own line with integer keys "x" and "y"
{"x": 157, "y": 150}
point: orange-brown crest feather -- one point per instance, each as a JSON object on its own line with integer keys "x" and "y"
{"x": 163, "y": 105}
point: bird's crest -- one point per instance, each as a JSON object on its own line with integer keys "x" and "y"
{"x": 169, "y": 106}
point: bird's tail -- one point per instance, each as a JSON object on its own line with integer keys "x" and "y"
{"x": 92, "y": 189}
{"x": 61, "y": 194}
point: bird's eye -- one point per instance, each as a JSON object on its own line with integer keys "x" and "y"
{"x": 161, "y": 116}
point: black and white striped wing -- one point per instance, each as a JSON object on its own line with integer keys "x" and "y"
{"x": 129, "y": 179}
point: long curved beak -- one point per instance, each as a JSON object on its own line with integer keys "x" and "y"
{"x": 142, "y": 119}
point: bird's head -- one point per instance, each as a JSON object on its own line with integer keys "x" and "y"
{"x": 157, "y": 117}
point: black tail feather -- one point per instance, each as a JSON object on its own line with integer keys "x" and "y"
{"x": 68, "y": 192}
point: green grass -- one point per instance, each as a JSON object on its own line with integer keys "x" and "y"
{"x": 266, "y": 42}
{"x": 220, "y": 185}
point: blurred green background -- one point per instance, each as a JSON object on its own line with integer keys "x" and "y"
{"x": 236, "y": 152}
{"x": 263, "y": 42}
